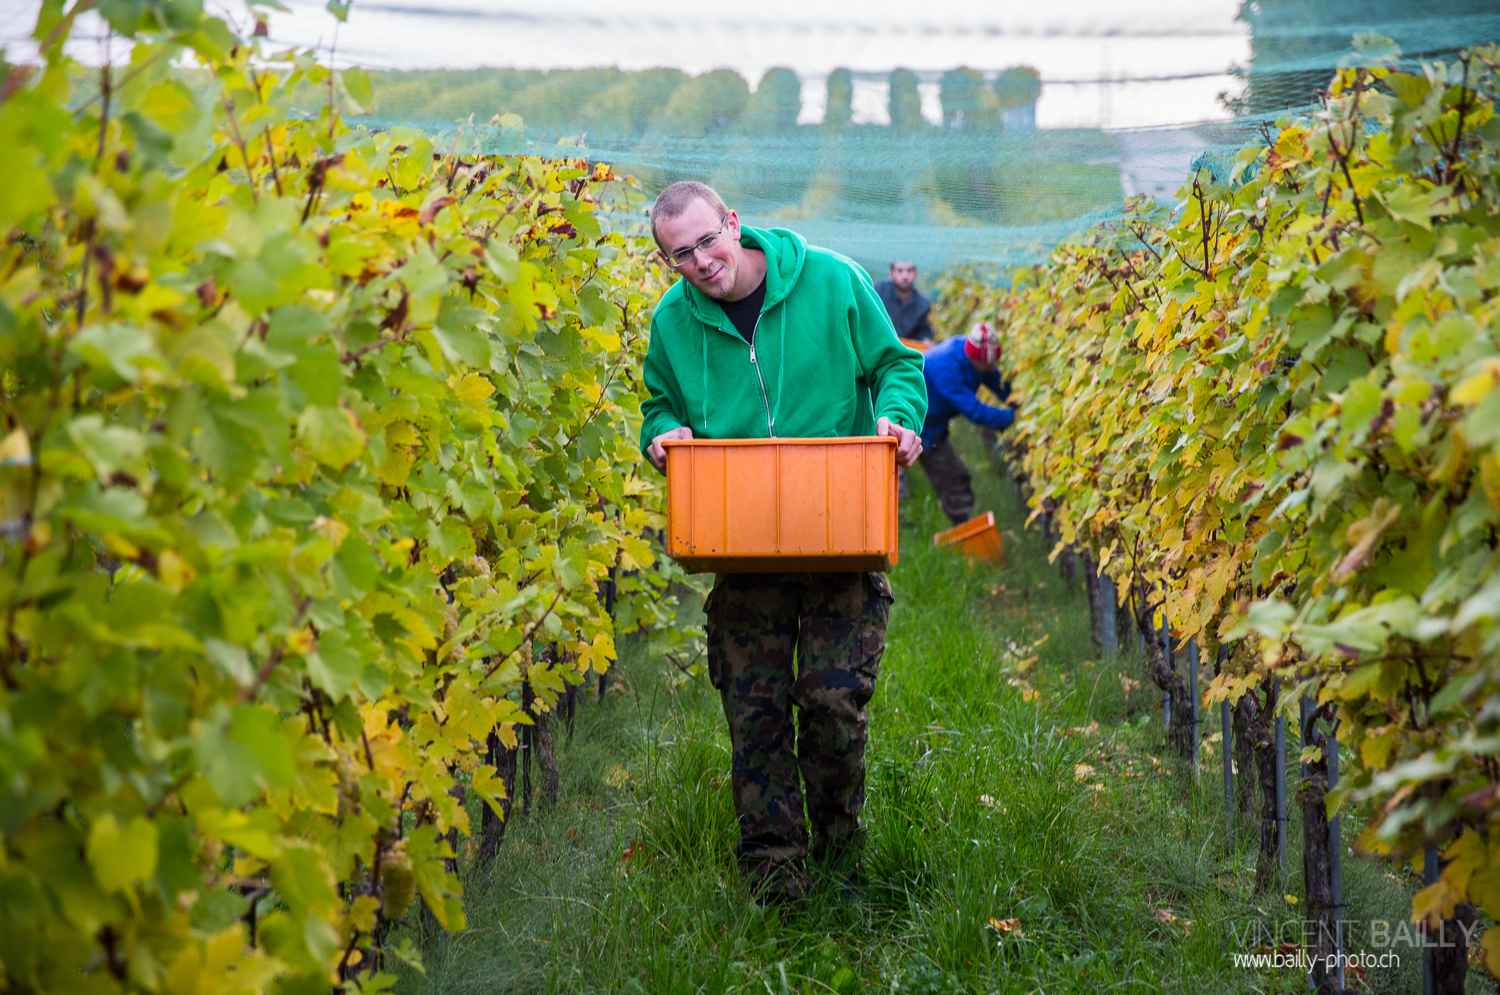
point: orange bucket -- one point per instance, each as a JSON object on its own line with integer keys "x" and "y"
{"x": 782, "y": 505}
{"x": 921, "y": 345}
{"x": 977, "y": 538}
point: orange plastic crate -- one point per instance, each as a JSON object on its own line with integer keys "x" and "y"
{"x": 782, "y": 505}
{"x": 978, "y": 537}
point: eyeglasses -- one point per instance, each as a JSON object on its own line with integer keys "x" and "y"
{"x": 679, "y": 258}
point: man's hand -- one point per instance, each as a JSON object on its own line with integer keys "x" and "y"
{"x": 658, "y": 454}
{"x": 908, "y": 443}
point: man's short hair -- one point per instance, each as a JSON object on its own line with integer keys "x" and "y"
{"x": 903, "y": 262}
{"x": 675, "y": 199}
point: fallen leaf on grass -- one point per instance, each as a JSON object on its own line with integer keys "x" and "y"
{"x": 618, "y": 777}
{"x": 1011, "y": 925}
{"x": 1081, "y": 772}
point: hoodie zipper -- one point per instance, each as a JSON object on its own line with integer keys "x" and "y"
{"x": 770, "y": 422}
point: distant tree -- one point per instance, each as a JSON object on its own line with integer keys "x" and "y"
{"x": 840, "y": 110}
{"x": 1017, "y": 89}
{"x": 960, "y": 95}
{"x": 551, "y": 105}
{"x": 905, "y": 101}
{"x": 775, "y": 104}
{"x": 624, "y": 110}
{"x": 703, "y": 104}
{"x": 1017, "y": 86}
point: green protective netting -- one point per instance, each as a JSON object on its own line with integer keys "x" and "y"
{"x": 977, "y": 183}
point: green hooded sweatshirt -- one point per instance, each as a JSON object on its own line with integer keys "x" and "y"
{"x": 826, "y": 361}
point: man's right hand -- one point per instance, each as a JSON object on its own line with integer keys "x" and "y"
{"x": 657, "y": 453}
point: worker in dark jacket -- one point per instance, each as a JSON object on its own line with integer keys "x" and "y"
{"x": 955, "y": 369}
{"x": 904, "y": 302}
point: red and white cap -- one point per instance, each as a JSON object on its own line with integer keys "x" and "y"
{"x": 983, "y": 344}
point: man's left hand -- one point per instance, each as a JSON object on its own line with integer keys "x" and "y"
{"x": 908, "y": 443}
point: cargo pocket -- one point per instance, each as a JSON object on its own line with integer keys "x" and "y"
{"x": 871, "y": 627}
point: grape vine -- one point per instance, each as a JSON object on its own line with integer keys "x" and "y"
{"x": 318, "y": 449}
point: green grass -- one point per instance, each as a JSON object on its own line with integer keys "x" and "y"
{"x": 978, "y": 808}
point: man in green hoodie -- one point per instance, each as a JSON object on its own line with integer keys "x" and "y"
{"x": 766, "y": 336}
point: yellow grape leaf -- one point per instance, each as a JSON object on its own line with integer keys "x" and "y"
{"x": 1477, "y": 387}
{"x": 635, "y": 552}
{"x": 331, "y": 529}
{"x": 1474, "y": 869}
{"x": 1434, "y": 903}
{"x": 401, "y": 443}
{"x": 332, "y": 435}
{"x": 473, "y": 389}
{"x": 489, "y": 788}
{"x": 15, "y": 450}
{"x": 122, "y": 856}
{"x": 174, "y": 571}
{"x": 1375, "y": 750}
{"x": 618, "y": 777}
{"x": 598, "y": 654}
{"x": 239, "y": 829}
{"x": 1490, "y": 946}
{"x": 1489, "y": 479}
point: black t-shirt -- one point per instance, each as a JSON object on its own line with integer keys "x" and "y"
{"x": 743, "y": 313}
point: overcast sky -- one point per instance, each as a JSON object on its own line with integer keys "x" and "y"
{"x": 1073, "y": 45}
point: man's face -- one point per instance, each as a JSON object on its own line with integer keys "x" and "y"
{"x": 714, "y": 270}
{"x": 903, "y": 275}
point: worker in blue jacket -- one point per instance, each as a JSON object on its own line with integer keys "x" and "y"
{"x": 955, "y": 369}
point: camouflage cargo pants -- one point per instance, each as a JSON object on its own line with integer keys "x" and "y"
{"x": 833, "y": 626}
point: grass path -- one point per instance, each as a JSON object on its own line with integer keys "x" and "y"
{"x": 1013, "y": 777}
